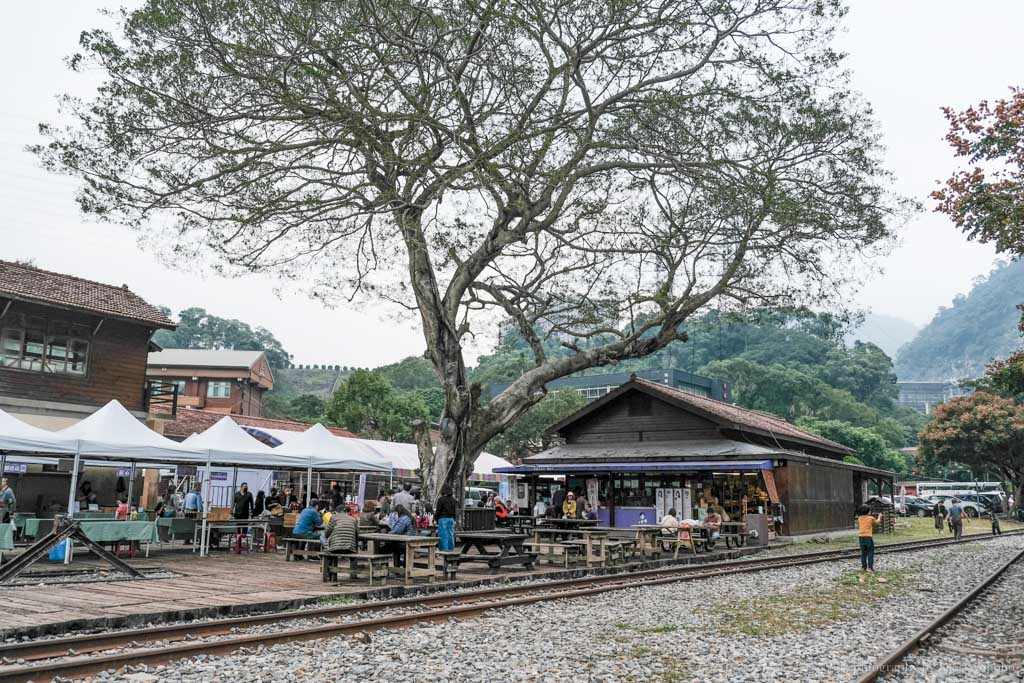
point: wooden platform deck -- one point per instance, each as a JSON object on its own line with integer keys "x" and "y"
{"x": 223, "y": 583}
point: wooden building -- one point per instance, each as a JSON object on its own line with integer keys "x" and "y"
{"x": 69, "y": 345}
{"x": 220, "y": 381}
{"x": 645, "y": 440}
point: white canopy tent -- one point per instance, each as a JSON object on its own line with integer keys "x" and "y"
{"x": 401, "y": 456}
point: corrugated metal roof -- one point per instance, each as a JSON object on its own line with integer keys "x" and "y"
{"x": 25, "y": 283}
{"x": 203, "y": 358}
{"x": 650, "y": 450}
{"x": 676, "y": 466}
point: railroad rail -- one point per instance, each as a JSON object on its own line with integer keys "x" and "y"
{"x": 891, "y": 661}
{"x": 83, "y": 654}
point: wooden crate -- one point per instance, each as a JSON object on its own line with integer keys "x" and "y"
{"x": 219, "y": 514}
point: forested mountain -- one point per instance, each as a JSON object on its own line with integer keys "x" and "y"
{"x": 887, "y": 332}
{"x": 961, "y": 340}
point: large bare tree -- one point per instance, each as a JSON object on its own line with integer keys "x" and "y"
{"x": 593, "y": 171}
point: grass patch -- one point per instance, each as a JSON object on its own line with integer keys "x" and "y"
{"x": 805, "y": 609}
{"x": 337, "y": 600}
{"x": 659, "y": 629}
{"x": 674, "y": 672}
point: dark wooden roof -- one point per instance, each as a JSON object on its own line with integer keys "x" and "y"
{"x": 34, "y": 285}
{"x": 725, "y": 415}
{"x": 191, "y": 421}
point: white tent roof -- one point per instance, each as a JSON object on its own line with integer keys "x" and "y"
{"x": 20, "y": 437}
{"x": 333, "y": 452}
{"x": 229, "y": 444}
{"x": 403, "y": 456}
{"x": 112, "y": 432}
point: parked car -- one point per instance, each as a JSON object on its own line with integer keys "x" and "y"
{"x": 994, "y": 501}
{"x": 917, "y": 506}
{"x": 972, "y": 508}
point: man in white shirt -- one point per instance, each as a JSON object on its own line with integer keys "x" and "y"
{"x": 403, "y": 497}
{"x": 540, "y": 508}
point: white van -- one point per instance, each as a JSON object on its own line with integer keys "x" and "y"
{"x": 474, "y": 494}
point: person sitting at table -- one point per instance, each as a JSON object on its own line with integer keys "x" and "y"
{"x": 369, "y": 517}
{"x": 500, "y": 512}
{"x": 308, "y": 522}
{"x": 540, "y": 508}
{"x": 289, "y": 500}
{"x": 713, "y": 522}
{"x": 404, "y": 525}
{"x": 447, "y": 509}
{"x": 589, "y": 512}
{"x": 193, "y": 502}
{"x": 569, "y": 510}
{"x": 341, "y": 532}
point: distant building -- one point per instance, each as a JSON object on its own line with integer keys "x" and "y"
{"x": 596, "y": 386}
{"x": 227, "y": 382}
{"x": 69, "y": 345}
{"x": 924, "y": 396}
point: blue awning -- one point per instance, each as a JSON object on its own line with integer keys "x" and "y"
{"x": 678, "y": 466}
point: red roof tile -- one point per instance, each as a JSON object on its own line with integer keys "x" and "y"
{"x": 26, "y": 283}
{"x": 741, "y": 417}
{"x": 192, "y": 421}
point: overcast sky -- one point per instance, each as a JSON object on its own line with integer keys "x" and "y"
{"x": 909, "y": 58}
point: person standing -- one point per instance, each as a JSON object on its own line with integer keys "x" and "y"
{"x": 866, "y": 523}
{"x": 242, "y": 509}
{"x": 955, "y": 515}
{"x": 8, "y": 501}
{"x": 939, "y": 516}
{"x": 994, "y": 518}
{"x": 193, "y": 502}
{"x": 260, "y": 504}
{"x": 444, "y": 513}
{"x": 569, "y": 506}
{"x": 558, "y": 499}
{"x": 540, "y": 508}
{"x": 404, "y": 497}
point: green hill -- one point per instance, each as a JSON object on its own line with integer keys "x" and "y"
{"x": 321, "y": 382}
{"x": 961, "y": 340}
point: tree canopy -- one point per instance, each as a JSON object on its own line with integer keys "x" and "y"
{"x": 368, "y": 405}
{"x": 198, "y": 329}
{"x": 593, "y": 171}
{"x": 872, "y": 449}
{"x": 986, "y": 201}
{"x": 528, "y": 434}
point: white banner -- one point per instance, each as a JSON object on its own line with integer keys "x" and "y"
{"x": 361, "y": 498}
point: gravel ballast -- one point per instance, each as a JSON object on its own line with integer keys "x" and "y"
{"x": 983, "y": 643}
{"x": 825, "y": 622}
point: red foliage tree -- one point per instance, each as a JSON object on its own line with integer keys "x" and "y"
{"x": 981, "y": 431}
{"x": 987, "y": 200}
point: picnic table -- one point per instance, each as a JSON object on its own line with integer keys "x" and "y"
{"x": 650, "y": 536}
{"x": 568, "y": 522}
{"x": 594, "y": 543}
{"x": 412, "y": 544}
{"x": 116, "y": 532}
{"x": 510, "y": 549}
{"x": 522, "y": 524}
{"x": 170, "y": 527}
{"x": 231, "y": 526}
{"x": 95, "y": 514}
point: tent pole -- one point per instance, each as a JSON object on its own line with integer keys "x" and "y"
{"x": 203, "y": 540}
{"x": 131, "y": 487}
{"x": 234, "y": 480}
{"x": 309, "y": 483}
{"x": 3, "y": 463}
{"x": 71, "y": 499}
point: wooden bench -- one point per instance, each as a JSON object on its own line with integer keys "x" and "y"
{"x": 685, "y": 539}
{"x": 300, "y": 548}
{"x": 547, "y": 550}
{"x": 376, "y": 566}
{"x": 450, "y": 561}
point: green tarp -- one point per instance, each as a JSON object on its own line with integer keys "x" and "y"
{"x": 107, "y": 532}
{"x": 6, "y": 537}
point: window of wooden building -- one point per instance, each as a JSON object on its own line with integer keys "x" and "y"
{"x": 218, "y": 390}
{"x": 40, "y": 345}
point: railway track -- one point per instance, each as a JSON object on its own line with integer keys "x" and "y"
{"x": 891, "y": 662}
{"x": 80, "y": 655}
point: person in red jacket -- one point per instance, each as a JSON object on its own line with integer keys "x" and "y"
{"x": 500, "y": 511}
